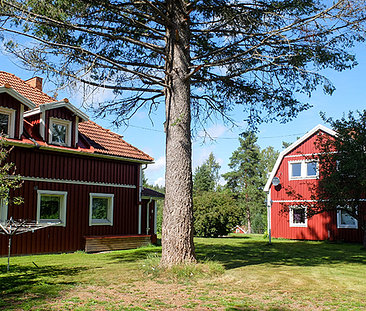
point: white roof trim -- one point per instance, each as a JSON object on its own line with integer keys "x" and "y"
{"x": 55, "y": 105}
{"x": 18, "y": 96}
{"x": 293, "y": 146}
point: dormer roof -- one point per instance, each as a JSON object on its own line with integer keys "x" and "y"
{"x": 58, "y": 104}
{"x": 312, "y": 132}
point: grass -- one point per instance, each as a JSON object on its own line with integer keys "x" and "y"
{"x": 236, "y": 273}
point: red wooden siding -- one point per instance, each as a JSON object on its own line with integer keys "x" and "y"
{"x": 319, "y": 227}
{"x": 71, "y": 237}
{"x": 9, "y": 102}
{"x": 77, "y": 169}
{"x": 59, "y": 165}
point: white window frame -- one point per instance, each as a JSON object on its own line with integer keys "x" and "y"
{"x": 11, "y": 123}
{"x": 291, "y": 215}
{"x": 67, "y": 124}
{"x": 63, "y": 202}
{"x": 3, "y": 210}
{"x": 304, "y": 172}
{"x": 101, "y": 222}
{"x": 343, "y": 226}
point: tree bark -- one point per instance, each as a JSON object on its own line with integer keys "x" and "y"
{"x": 177, "y": 228}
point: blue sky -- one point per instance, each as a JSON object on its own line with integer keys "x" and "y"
{"x": 350, "y": 94}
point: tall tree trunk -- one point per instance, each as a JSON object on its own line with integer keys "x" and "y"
{"x": 249, "y": 220}
{"x": 177, "y": 228}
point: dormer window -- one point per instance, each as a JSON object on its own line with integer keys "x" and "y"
{"x": 7, "y": 121}
{"x": 60, "y": 132}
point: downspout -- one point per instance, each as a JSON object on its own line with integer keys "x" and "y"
{"x": 269, "y": 207}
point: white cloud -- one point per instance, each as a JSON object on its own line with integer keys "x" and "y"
{"x": 157, "y": 166}
{"x": 160, "y": 181}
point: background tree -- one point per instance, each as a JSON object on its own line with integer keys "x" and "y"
{"x": 215, "y": 213}
{"x": 206, "y": 177}
{"x": 201, "y": 59}
{"x": 246, "y": 178}
{"x": 342, "y": 169}
{"x": 268, "y": 158}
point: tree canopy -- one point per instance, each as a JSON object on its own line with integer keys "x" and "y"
{"x": 342, "y": 169}
{"x": 206, "y": 176}
{"x": 202, "y": 59}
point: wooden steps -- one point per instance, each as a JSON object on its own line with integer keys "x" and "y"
{"x": 111, "y": 243}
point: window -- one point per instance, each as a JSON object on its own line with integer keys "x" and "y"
{"x": 298, "y": 216}
{"x": 296, "y": 169}
{"x": 303, "y": 169}
{"x": 60, "y": 132}
{"x": 51, "y": 207}
{"x": 345, "y": 220}
{"x": 3, "y": 210}
{"x": 7, "y": 121}
{"x": 311, "y": 168}
{"x": 101, "y": 209}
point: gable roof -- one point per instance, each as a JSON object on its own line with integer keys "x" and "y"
{"x": 313, "y": 131}
{"x": 104, "y": 141}
{"x": 98, "y": 139}
{"x": 58, "y": 104}
{"x": 33, "y": 94}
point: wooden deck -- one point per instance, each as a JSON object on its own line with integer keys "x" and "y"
{"x": 112, "y": 243}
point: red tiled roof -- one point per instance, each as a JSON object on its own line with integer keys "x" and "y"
{"x": 101, "y": 141}
{"x": 23, "y": 88}
{"x": 106, "y": 142}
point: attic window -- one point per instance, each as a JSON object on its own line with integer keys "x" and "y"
{"x": 303, "y": 169}
{"x": 7, "y": 121}
{"x": 60, "y": 132}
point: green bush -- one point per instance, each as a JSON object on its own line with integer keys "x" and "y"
{"x": 215, "y": 213}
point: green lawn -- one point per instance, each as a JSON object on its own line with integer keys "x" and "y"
{"x": 287, "y": 275}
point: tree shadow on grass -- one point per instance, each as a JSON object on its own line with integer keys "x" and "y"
{"x": 133, "y": 255}
{"x": 32, "y": 285}
{"x": 291, "y": 253}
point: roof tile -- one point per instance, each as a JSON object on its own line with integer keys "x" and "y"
{"x": 101, "y": 140}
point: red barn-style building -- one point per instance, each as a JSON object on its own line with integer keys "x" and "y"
{"x": 82, "y": 177}
{"x": 294, "y": 170}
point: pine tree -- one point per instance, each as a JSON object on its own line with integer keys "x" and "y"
{"x": 246, "y": 176}
{"x": 200, "y": 59}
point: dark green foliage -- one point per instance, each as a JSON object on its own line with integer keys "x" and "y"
{"x": 250, "y": 167}
{"x": 100, "y": 208}
{"x": 215, "y": 213}
{"x": 342, "y": 174}
{"x": 269, "y": 50}
{"x": 206, "y": 177}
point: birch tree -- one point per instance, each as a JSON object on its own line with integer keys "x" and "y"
{"x": 201, "y": 59}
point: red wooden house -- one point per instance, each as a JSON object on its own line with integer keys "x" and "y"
{"x": 293, "y": 170}
{"x": 78, "y": 175}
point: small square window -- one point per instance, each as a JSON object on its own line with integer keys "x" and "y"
{"x": 298, "y": 217}
{"x": 51, "y": 207}
{"x": 7, "y": 121}
{"x": 345, "y": 220}
{"x": 101, "y": 209}
{"x": 60, "y": 132}
{"x": 296, "y": 169}
{"x": 4, "y": 123}
{"x": 311, "y": 168}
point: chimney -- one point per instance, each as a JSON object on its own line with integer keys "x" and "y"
{"x": 35, "y": 82}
